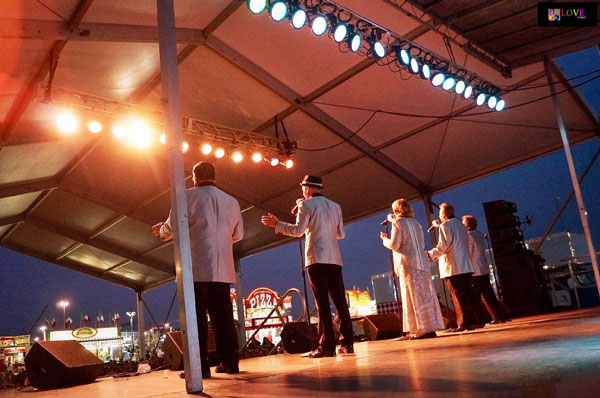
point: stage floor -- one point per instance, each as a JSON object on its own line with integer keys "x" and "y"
{"x": 556, "y": 355}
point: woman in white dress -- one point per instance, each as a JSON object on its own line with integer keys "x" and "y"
{"x": 421, "y": 313}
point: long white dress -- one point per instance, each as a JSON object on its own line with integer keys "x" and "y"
{"x": 420, "y": 308}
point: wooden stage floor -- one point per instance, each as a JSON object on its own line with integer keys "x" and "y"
{"x": 548, "y": 356}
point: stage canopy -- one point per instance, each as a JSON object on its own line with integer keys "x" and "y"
{"x": 87, "y": 201}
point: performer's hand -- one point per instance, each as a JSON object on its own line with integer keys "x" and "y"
{"x": 156, "y": 228}
{"x": 391, "y": 218}
{"x": 436, "y": 223}
{"x": 269, "y": 220}
{"x": 382, "y": 235}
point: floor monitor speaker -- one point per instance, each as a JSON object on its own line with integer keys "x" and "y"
{"x": 295, "y": 337}
{"x": 55, "y": 364}
{"x": 382, "y": 326}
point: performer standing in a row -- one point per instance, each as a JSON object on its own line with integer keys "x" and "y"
{"x": 421, "y": 315}
{"x": 320, "y": 219}
{"x": 455, "y": 266}
{"x": 481, "y": 277}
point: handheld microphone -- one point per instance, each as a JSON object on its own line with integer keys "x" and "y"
{"x": 433, "y": 226}
{"x": 384, "y": 222}
{"x": 295, "y": 208}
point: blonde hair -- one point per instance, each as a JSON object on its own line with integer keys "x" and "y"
{"x": 448, "y": 209}
{"x": 402, "y": 208}
{"x": 470, "y": 222}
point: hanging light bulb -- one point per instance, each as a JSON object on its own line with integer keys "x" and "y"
{"x": 354, "y": 41}
{"x": 438, "y": 79}
{"x": 299, "y": 18}
{"x": 237, "y": 156}
{"x": 139, "y": 134}
{"x": 184, "y": 147}
{"x": 256, "y": 6}
{"x": 377, "y": 48}
{"x": 219, "y": 153}
{"x": 95, "y": 126}
{"x": 403, "y": 56}
{"x": 460, "y": 87}
{"x": 414, "y": 66}
{"x": 468, "y": 92}
{"x": 492, "y": 101}
{"x": 480, "y": 99}
{"x": 206, "y": 149}
{"x": 257, "y": 157}
{"x": 274, "y": 161}
{"x": 425, "y": 71}
{"x": 500, "y": 105}
{"x": 119, "y": 131}
{"x": 340, "y": 31}
{"x": 67, "y": 122}
{"x": 449, "y": 83}
{"x": 289, "y": 164}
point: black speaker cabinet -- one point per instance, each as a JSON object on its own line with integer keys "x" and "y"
{"x": 55, "y": 364}
{"x": 173, "y": 350}
{"x": 382, "y": 326}
{"x": 295, "y": 337}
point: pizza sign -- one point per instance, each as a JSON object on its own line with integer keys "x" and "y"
{"x": 260, "y": 299}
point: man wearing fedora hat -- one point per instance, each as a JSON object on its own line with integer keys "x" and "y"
{"x": 320, "y": 219}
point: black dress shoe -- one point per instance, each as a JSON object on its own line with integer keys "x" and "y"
{"x": 458, "y": 329}
{"x": 428, "y": 335}
{"x": 321, "y": 353}
{"x": 496, "y": 322}
{"x": 345, "y": 349}
{"x": 231, "y": 369}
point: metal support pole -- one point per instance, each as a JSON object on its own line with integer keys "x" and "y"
{"x": 140, "y": 315}
{"x": 433, "y": 238}
{"x": 179, "y": 216}
{"x": 575, "y": 182}
{"x": 239, "y": 302}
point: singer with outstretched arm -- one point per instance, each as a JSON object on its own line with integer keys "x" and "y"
{"x": 480, "y": 281}
{"x": 455, "y": 266}
{"x": 421, "y": 315}
{"x": 320, "y": 219}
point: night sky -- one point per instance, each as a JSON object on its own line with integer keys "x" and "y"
{"x": 27, "y": 285}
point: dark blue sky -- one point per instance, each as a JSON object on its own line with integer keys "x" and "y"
{"x": 27, "y": 285}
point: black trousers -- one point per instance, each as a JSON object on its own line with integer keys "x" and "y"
{"x": 482, "y": 288}
{"x": 326, "y": 281}
{"x": 462, "y": 297}
{"x": 214, "y": 298}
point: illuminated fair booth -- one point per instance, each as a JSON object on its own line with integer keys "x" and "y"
{"x": 104, "y": 342}
{"x": 13, "y": 350}
{"x": 259, "y": 303}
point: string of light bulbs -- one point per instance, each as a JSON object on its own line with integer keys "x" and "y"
{"x": 140, "y": 127}
{"x": 357, "y": 34}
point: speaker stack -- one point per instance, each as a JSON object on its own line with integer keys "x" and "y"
{"x": 519, "y": 270}
{"x": 56, "y": 364}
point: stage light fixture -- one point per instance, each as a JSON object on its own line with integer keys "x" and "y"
{"x": 139, "y": 134}
{"x": 184, "y": 147}
{"x": 468, "y": 92}
{"x": 219, "y": 153}
{"x": 237, "y": 156}
{"x": 403, "y": 56}
{"x": 354, "y": 41}
{"x": 256, "y": 6}
{"x": 119, "y": 131}
{"x": 289, "y": 164}
{"x": 206, "y": 149}
{"x": 257, "y": 157}
{"x": 460, "y": 87}
{"x": 95, "y": 126}
{"x": 278, "y": 10}
{"x": 163, "y": 138}
{"x": 274, "y": 161}
{"x": 492, "y": 101}
{"x": 319, "y": 25}
{"x": 299, "y": 18}
{"x": 480, "y": 99}
{"x": 340, "y": 31}
{"x": 449, "y": 83}
{"x": 425, "y": 71}
{"x": 414, "y": 66}
{"x": 377, "y": 48}
{"x": 67, "y": 122}
{"x": 438, "y": 79}
{"x": 500, "y": 105}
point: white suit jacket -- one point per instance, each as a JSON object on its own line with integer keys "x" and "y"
{"x": 215, "y": 224}
{"x": 452, "y": 249}
{"x": 408, "y": 244}
{"x": 321, "y": 220}
{"x": 477, "y": 253}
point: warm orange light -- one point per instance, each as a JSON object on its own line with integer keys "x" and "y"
{"x": 274, "y": 162}
{"x": 206, "y": 149}
{"x": 95, "y": 126}
{"x": 67, "y": 122}
{"x": 184, "y": 147}
{"x": 140, "y": 134}
{"x": 289, "y": 164}
{"x": 219, "y": 153}
{"x": 257, "y": 157}
{"x": 163, "y": 138}
{"x": 63, "y": 303}
{"x": 237, "y": 157}
{"x": 119, "y": 131}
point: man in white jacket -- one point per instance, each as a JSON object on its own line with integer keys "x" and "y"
{"x": 455, "y": 266}
{"x": 215, "y": 224}
{"x": 320, "y": 219}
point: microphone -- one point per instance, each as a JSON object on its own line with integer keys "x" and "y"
{"x": 294, "y": 210}
{"x": 485, "y": 236}
{"x": 433, "y": 225}
{"x": 384, "y": 222}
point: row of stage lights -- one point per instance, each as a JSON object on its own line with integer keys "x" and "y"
{"x": 427, "y": 66}
{"x": 139, "y": 134}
